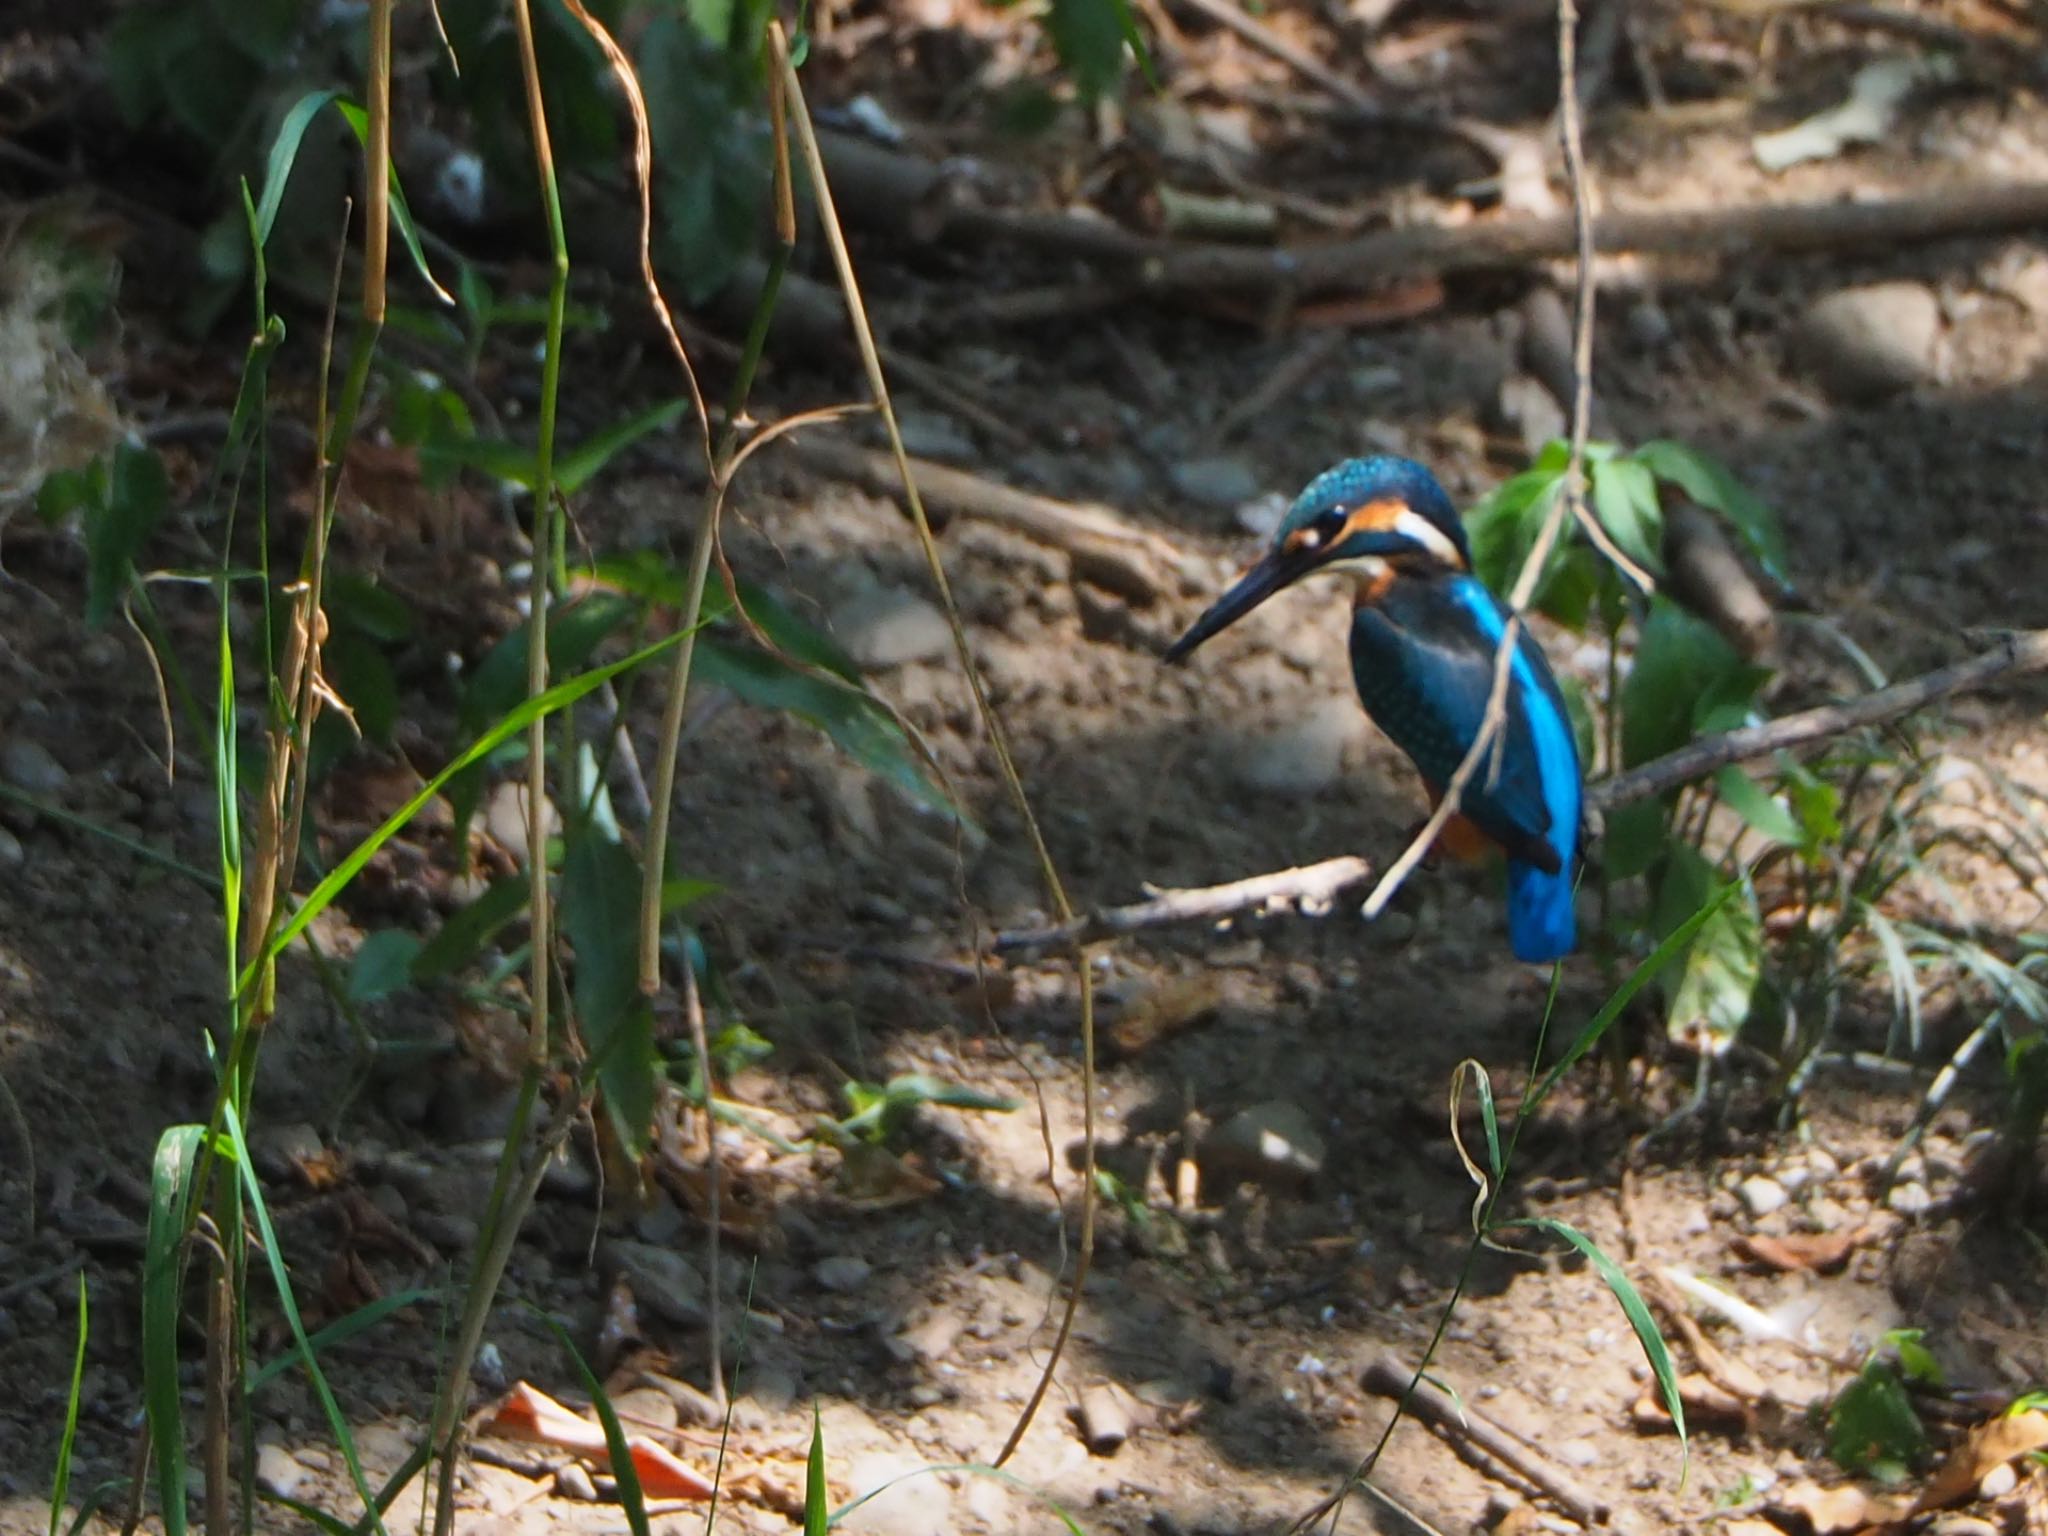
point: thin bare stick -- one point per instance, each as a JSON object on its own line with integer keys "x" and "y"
{"x": 1310, "y": 886}
{"x": 842, "y": 260}
{"x": 1267, "y": 41}
{"x": 1466, "y": 1429}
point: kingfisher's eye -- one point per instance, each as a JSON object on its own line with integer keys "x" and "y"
{"x": 1331, "y": 525}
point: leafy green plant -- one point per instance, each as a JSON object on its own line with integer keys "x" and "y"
{"x": 1872, "y": 1427}
{"x": 118, "y": 500}
{"x": 880, "y": 1113}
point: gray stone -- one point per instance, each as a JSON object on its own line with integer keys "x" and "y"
{"x": 929, "y": 435}
{"x": 663, "y": 1281}
{"x": 1273, "y": 1142}
{"x": 278, "y": 1471}
{"x": 1580, "y": 1453}
{"x": 281, "y": 1150}
{"x": 1909, "y": 1199}
{"x": 11, "y": 852}
{"x": 912, "y": 1506}
{"x": 505, "y": 817}
{"x": 1304, "y": 758}
{"x": 1528, "y": 408}
{"x": 1862, "y": 344}
{"x": 572, "y": 1482}
{"x": 888, "y": 627}
{"x": 1761, "y": 1196}
{"x": 842, "y": 1272}
{"x": 1217, "y": 480}
{"x": 27, "y": 765}
{"x": 1261, "y": 516}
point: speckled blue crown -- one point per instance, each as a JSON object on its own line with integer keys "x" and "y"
{"x": 1358, "y": 481}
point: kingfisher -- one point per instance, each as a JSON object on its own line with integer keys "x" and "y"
{"x": 1425, "y": 635}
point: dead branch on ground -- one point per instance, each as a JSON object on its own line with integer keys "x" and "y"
{"x": 1314, "y": 887}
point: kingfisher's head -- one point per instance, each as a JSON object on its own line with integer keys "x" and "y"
{"x": 1374, "y": 520}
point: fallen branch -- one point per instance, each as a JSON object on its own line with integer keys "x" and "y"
{"x": 1466, "y": 1430}
{"x": 1313, "y": 888}
{"x": 930, "y": 203}
{"x": 1106, "y": 549}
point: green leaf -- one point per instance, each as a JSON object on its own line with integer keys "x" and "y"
{"x": 163, "y": 1275}
{"x": 1766, "y": 815}
{"x": 794, "y": 636}
{"x": 1654, "y": 1348}
{"x": 1872, "y": 1428}
{"x": 1635, "y": 838}
{"x": 138, "y": 491}
{"x": 1503, "y": 526}
{"x": 712, "y": 18}
{"x": 65, "y": 491}
{"x": 1711, "y": 993}
{"x": 1089, "y": 36}
{"x": 1672, "y": 944}
{"x": 683, "y": 891}
{"x": 284, "y": 153}
{"x": 1679, "y": 661}
{"x": 60, "y": 1481}
{"x": 623, "y": 1471}
{"x": 469, "y": 928}
{"x": 362, "y": 676}
{"x": 880, "y": 1112}
{"x": 1817, "y": 804}
{"x": 356, "y": 603}
{"x": 342, "y": 1329}
{"x": 1708, "y": 481}
{"x": 1625, "y": 501}
{"x": 817, "y": 1493}
{"x": 600, "y": 914}
{"x": 575, "y": 630}
{"x": 561, "y": 696}
{"x": 401, "y": 214}
{"x": 575, "y": 468}
{"x": 382, "y": 965}
{"x": 858, "y": 725}
{"x": 1916, "y": 1360}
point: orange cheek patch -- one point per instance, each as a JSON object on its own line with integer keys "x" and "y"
{"x": 1376, "y": 516}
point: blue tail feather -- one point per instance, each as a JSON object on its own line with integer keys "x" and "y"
{"x": 1542, "y": 912}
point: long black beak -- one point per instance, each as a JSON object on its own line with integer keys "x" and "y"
{"x": 1279, "y": 569}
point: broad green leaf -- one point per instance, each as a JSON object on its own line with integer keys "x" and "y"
{"x": 1872, "y": 1428}
{"x": 382, "y": 965}
{"x": 794, "y": 636}
{"x": 1916, "y": 1360}
{"x": 1502, "y": 527}
{"x": 1625, "y": 501}
{"x": 138, "y": 491}
{"x": 1623, "y": 1289}
{"x": 1679, "y": 660}
{"x": 1708, "y": 481}
{"x": 1635, "y": 838}
{"x": 65, "y": 491}
{"x": 575, "y": 469}
{"x": 1089, "y": 36}
{"x": 600, "y": 914}
{"x": 575, "y": 630}
{"x": 1711, "y": 992}
{"x": 1817, "y": 804}
{"x": 683, "y": 891}
{"x": 1766, "y": 815}
{"x": 856, "y": 723}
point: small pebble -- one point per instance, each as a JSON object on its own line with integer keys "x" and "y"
{"x": 572, "y": 1482}
{"x": 1760, "y": 1196}
{"x": 11, "y": 853}
{"x": 1216, "y": 481}
{"x": 278, "y": 1471}
{"x": 27, "y": 765}
{"x": 842, "y": 1272}
{"x": 1909, "y": 1199}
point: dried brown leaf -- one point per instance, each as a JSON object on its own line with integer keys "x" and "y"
{"x": 1819, "y": 1251}
{"x": 1988, "y": 1446}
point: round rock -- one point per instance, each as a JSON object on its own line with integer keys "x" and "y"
{"x": 1863, "y": 344}
{"x": 888, "y": 627}
{"x": 1270, "y": 1143}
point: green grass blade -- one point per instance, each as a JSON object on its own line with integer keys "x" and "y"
{"x": 1673, "y": 945}
{"x": 170, "y": 1191}
{"x": 1654, "y": 1348}
{"x": 342, "y": 1329}
{"x": 817, "y": 1495}
{"x": 558, "y": 697}
{"x": 284, "y": 153}
{"x": 60, "y": 1484}
{"x": 401, "y": 212}
{"x": 289, "y": 1305}
{"x": 624, "y": 1473}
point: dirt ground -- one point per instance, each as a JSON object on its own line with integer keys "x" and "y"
{"x": 1236, "y": 1330}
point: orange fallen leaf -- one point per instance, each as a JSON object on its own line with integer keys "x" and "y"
{"x": 1833, "y": 1511}
{"x": 530, "y": 1414}
{"x": 1989, "y": 1445}
{"x": 1819, "y": 1251}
